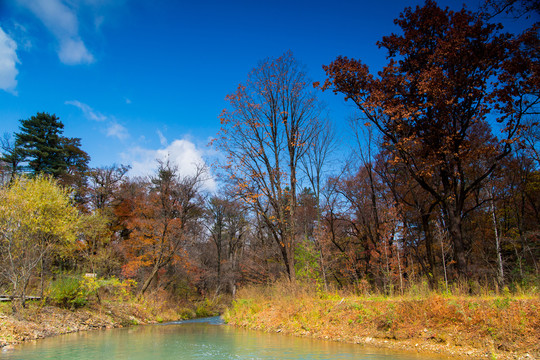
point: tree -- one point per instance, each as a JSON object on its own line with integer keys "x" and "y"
{"x": 516, "y": 8}
{"x": 271, "y": 122}
{"x": 40, "y": 143}
{"x": 227, "y": 226}
{"x": 448, "y": 74}
{"x": 10, "y": 156}
{"x": 104, "y": 183}
{"x": 35, "y": 216}
{"x": 416, "y": 210}
{"x": 323, "y": 143}
{"x": 161, "y": 218}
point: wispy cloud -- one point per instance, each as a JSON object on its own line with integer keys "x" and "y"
{"x": 61, "y": 20}
{"x": 8, "y": 63}
{"x": 112, "y": 128}
{"x": 20, "y": 35}
{"x": 181, "y": 152}
{"x": 90, "y": 113}
{"x": 162, "y": 139}
{"x": 116, "y": 130}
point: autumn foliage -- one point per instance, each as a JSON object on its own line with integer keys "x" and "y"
{"x": 435, "y": 184}
{"x": 449, "y": 73}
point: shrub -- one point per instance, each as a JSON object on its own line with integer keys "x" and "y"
{"x": 67, "y": 291}
{"x": 76, "y": 291}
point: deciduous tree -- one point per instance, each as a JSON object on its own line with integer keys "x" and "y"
{"x": 161, "y": 217}
{"x": 267, "y": 130}
{"x": 228, "y": 227}
{"x": 35, "y": 215}
{"x": 10, "y": 157}
{"x": 449, "y": 73}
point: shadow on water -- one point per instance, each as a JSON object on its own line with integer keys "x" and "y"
{"x": 214, "y": 320}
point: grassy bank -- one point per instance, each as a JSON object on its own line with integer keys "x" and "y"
{"x": 41, "y": 319}
{"x": 496, "y": 327}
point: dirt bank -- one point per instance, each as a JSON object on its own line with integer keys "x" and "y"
{"x": 39, "y": 320}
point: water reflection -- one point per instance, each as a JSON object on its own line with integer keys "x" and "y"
{"x": 200, "y": 339}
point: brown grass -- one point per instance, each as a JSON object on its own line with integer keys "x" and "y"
{"x": 496, "y": 326}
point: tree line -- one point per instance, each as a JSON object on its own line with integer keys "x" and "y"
{"x": 442, "y": 184}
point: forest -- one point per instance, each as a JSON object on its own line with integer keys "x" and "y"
{"x": 438, "y": 185}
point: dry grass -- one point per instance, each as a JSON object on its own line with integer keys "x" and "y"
{"x": 498, "y": 326}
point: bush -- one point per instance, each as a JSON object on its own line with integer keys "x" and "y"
{"x": 67, "y": 291}
{"x": 77, "y": 291}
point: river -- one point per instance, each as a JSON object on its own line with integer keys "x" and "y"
{"x": 201, "y": 339}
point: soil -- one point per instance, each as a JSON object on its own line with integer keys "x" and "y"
{"x": 36, "y": 322}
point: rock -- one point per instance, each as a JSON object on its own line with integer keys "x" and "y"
{"x": 8, "y": 348}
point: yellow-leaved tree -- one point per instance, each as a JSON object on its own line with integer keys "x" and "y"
{"x": 36, "y": 215}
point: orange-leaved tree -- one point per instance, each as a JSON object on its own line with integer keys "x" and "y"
{"x": 160, "y": 217}
{"x": 449, "y": 73}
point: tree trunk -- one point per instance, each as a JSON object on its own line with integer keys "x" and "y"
{"x": 456, "y": 236}
{"x": 219, "y": 266}
{"x": 292, "y": 224}
{"x": 148, "y": 280}
{"x": 500, "y": 272}
{"x": 432, "y": 277}
{"x": 287, "y": 252}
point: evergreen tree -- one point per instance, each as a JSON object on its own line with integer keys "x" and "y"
{"x": 39, "y": 143}
{"x": 75, "y": 158}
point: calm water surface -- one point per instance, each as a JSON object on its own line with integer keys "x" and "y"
{"x": 206, "y": 339}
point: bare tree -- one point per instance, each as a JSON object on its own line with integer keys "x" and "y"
{"x": 104, "y": 182}
{"x": 317, "y": 156}
{"x": 272, "y": 120}
{"x": 9, "y": 159}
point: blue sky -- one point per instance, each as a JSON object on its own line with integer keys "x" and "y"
{"x": 137, "y": 79}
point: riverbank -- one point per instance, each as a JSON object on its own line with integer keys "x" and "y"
{"x": 463, "y": 327}
{"x": 39, "y": 320}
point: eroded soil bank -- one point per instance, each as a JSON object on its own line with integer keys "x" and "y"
{"x": 38, "y": 320}
{"x": 461, "y": 327}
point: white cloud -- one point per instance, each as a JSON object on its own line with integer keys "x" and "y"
{"x": 8, "y": 63}
{"x": 162, "y": 139}
{"x": 62, "y": 22}
{"x": 117, "y": 130}
{"x": 73, "y": 52}
{"x": 182, "y": 153}
{"x": 90, "y": 113}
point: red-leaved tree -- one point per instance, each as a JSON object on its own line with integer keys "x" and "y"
{"x": 448, "y": 74}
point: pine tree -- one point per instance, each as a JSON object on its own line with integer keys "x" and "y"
{"x": 39, "y": 143}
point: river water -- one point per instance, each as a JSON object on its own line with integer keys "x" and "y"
{"x": 201, "y": 339}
